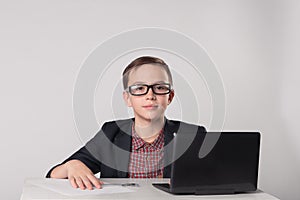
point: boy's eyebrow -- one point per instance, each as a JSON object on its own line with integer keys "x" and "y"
{"x": 141, "y": 82}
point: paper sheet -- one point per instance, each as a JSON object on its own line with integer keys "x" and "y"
{"x": 64, "y": 187}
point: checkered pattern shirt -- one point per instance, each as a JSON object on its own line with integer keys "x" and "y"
{"x": 146, "y": 159}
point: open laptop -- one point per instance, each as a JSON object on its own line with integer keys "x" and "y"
{"x": 229, "y": 166}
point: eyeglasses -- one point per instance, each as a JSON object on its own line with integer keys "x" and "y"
{"x": 142, "y": 89}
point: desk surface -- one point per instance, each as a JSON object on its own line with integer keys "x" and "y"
{"x": 145, "y": 191}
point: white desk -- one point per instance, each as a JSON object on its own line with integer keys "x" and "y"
{"x": 145, "y": 191}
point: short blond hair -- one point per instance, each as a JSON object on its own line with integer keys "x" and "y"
{"x": 141, "y": 61}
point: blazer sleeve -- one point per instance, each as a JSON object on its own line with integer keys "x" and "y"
{"x": 84, "y": 156}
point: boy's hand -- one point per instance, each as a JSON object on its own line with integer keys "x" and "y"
{"x": 81, "y": 176}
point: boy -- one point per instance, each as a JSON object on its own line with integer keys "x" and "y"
{"x": 132, "y": 148}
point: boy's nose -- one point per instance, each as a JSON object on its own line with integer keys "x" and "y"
{"x": 150, "y": 94}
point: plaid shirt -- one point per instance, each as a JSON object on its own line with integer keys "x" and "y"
{"x": 146, "y": 159}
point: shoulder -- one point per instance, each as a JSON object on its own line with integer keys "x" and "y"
{"x": 112, "y": 128}
{"x": 184, "y": 125}
{"x": 116, "y": 124}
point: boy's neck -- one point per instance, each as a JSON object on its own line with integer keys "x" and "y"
{"x": 149, "y": 130}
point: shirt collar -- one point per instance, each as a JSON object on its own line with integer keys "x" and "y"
{"x": 138, "y": 142}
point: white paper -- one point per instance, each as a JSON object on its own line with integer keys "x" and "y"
{"x": 64, "y": 187}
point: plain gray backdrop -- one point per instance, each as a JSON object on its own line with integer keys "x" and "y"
{"x": 254, "y": 44}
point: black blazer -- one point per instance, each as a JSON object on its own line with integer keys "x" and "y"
{"x": 109, "y": 151}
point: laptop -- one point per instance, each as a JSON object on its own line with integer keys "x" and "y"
{"x": 215, "y": 163}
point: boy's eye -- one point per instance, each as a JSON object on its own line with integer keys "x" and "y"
{"x": 139, "y": 88}
{"x": 161, "y": 87}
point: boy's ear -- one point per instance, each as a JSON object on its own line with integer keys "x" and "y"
{"x": 127, "y": 99}
{"x": 171, "y": 96}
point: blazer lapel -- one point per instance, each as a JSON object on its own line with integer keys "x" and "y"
{"x": 122, "y": 147}
{"x": 170, "y": 130}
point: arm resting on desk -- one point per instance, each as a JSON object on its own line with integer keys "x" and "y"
{"x": 79, "y": 169}
{"x": 85, "y": 157}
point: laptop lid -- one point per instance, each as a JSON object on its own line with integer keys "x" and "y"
{"x": 216, "y": 163}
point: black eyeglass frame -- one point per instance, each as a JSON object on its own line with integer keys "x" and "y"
{"x": 129, "y": 89}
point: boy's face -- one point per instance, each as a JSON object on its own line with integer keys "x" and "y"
{"x": 150, "y": 106}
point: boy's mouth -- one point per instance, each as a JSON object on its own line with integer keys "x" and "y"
{"x": 150, "y": 107}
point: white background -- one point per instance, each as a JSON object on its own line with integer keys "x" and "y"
{"x": 254, "y": 44}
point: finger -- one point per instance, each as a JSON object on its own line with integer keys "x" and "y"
{"x": 87, "y": 183}
{"x": 73, "y": 182}
{"x": 79, "y": 183}
{"x": 95, "y": 181}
